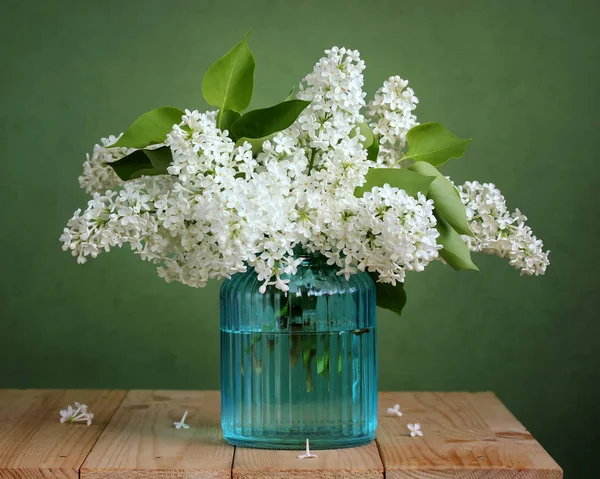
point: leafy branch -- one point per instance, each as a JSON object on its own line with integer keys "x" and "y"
{"x": 229, "y": 85}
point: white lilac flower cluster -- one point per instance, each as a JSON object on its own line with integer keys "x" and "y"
{"x": 97, "y": 175}
{"x": 499, "y": 231}
{"x": 222, "y": 208}
{"x": 392, "y": 112}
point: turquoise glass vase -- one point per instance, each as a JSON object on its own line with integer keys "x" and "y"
{"x": 302, "y": 364}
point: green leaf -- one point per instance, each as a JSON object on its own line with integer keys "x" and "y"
{"x": 409, "y": 181}
{"x": 226, "y": 118}
{"x": 455, "y": 251}
{"x": 370, "y": 142}
{"x": 389, "y": 296}
{"x": 143, "y": 163}
{"x": 256, "y": 143}
{"x": 446, "y": 198}
{"x": 265, "y": 121}
{"x": 150, "y": 128}
{"x": 290, "y": 95}
{"x": 229, "y": 82}
{"x": 161, "y": 158}
{"x": 128, "y": 165}
{"x": 433, "y": 143}
{"x": 373, "y": 150}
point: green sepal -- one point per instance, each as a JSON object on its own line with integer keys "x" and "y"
{"x": 150, "y": 128}
{"x": 433, "y": 143}
{"x": 446, "y": 198}
{"x": 409, "y": 181}
{"x": 455, "y": 251}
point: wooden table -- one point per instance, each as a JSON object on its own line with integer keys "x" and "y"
{"x": 466, "y": 435}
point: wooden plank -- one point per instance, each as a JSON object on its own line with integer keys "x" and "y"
{"x": 511, "y": 432}
{"x": 360, "y": 462}
{"x": 467, "y": 435}
{"x": 141, "y": 441}
{"x": 34, "y": 444}
{"x": 458, "y": 441}
{"x": 499, "y": 419}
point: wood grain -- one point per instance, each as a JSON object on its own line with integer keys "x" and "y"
{"x": 360, "y": 462}
{"x": 141, "y": 442}
{"x": 34, "y": 444}
{"x": 513, "y": 435}
{"x": 466, "y": 436}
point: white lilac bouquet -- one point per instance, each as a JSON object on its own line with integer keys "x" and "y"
{"x": 208, "y": 194}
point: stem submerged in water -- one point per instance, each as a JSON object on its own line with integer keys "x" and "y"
{"x": 296, "y": 318}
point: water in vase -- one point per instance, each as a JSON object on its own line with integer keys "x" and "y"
{"x": 284, "y": 387}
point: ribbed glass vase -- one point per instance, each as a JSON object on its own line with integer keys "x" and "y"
{"x": 299, "y": 365}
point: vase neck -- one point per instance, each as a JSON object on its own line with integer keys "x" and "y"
{"x": 309, "y": 258}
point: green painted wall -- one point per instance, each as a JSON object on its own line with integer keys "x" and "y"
{"x": 520, "y": 77}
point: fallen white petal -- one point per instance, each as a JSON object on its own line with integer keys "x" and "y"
{"x": 182, "y": 424}
{"x": 415, "y": 429}
{"x": 308, "y": 454}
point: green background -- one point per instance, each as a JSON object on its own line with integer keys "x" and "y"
{"x": 519, "y": 77}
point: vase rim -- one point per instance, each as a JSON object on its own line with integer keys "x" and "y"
{"x": 301, "y": 252}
